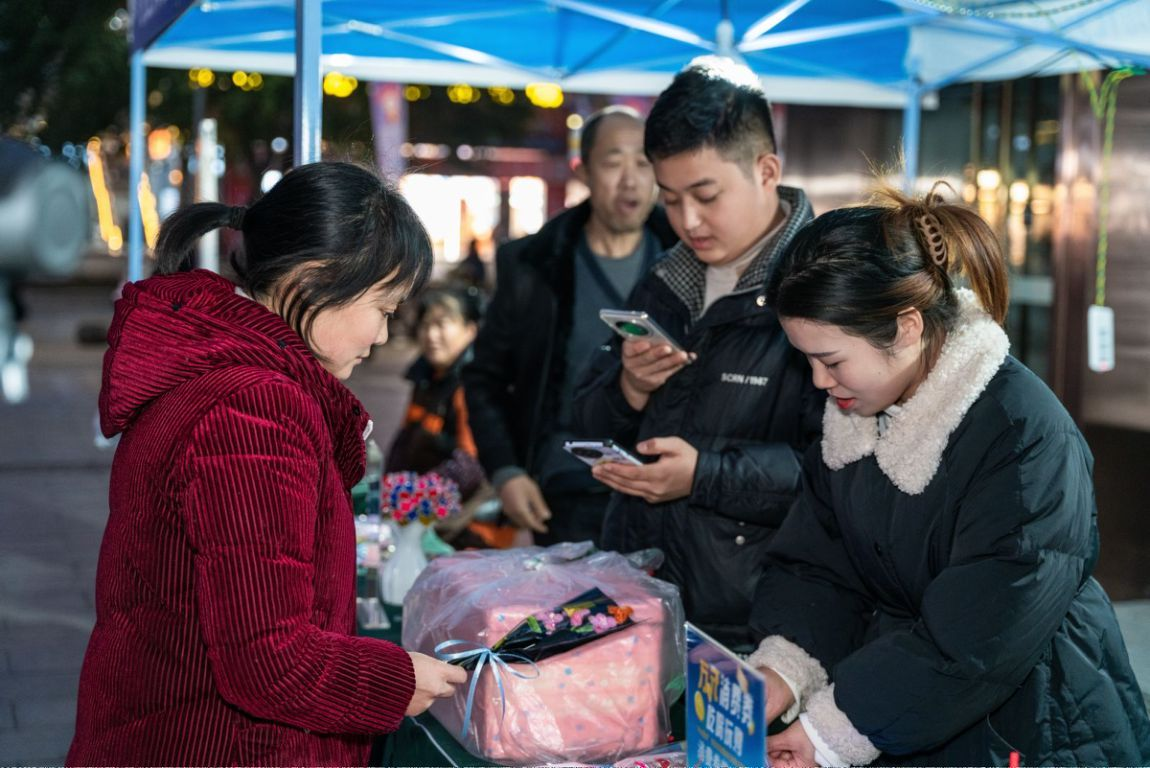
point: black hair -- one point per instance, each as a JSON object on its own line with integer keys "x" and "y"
{"x": 859, "y": 268}
{"x": 466, "y": 303}
{"x": 594, "y": 121}
{"x": 713, "y": 102}
{"x": 341, "y": 217}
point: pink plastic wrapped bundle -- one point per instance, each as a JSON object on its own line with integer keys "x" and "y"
{"x": 596, "y": 703}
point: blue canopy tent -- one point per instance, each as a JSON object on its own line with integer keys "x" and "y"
{"x": 887, "y": 53}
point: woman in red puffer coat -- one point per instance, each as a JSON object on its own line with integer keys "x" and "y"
{"x": 225, "y": 594}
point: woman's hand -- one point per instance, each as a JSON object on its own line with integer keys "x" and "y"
{"x": 791, "y": 748}
{"x": 434, "y": 679}
{"x": 780, "y": 697}
{"x": 646, "y": 367}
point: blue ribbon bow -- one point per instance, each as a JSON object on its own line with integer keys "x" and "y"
{"x": 484, "y": 654}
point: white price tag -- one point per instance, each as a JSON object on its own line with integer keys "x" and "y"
{"x": 1100, "y": 338}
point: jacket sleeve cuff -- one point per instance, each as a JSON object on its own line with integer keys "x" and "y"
{"x": 799, "y": 670}
{"x": 825, "y": 757}
{"x": 832, "y": 733}
{"x": 707, "y": 467}
{"x": 385, "y": 687}
{"x": 500, "y": 476}
{"x": 617, "y": 401}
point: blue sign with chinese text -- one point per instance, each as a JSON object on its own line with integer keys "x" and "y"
{"x": 726, "y": 706}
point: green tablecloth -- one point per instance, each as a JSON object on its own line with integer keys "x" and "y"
{"x": 422, "y": 741}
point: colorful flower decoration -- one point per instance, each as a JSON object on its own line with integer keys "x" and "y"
{"x": 577, "y": 616}
{"x": 409, "y": 497}
{"x": 620, "y": 612}
{"x": 544, "y": 633}
{"x": 549, "y": 619}
{"x": 601, "y": 622}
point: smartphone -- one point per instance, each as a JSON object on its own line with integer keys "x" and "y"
{"x": 592, "y": 452}
{"x": 638, "y": 326}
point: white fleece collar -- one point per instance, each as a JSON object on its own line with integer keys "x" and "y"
{"x": 909, "y": 450}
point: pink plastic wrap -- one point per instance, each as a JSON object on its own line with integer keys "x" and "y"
{"x": 596, "y": 703}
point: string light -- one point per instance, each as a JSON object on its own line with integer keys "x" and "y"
{"x": 462, "y": 93}
{"x": 339, "y": 85}
{"x": 201, "y": 77}
{"x": 501, "y": 95}
{"x": 975, "y": 10}
{"x": 545, "y": 95}
{"x": 248, "y": 81}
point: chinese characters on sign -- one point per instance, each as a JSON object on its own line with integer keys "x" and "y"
{"x": 726, "y": 706}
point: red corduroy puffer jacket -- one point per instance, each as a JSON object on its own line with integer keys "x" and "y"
{"x": 225, "y": 594}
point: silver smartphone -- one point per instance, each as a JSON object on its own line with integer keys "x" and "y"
{"x": 638, "y": 326}
{"x": 594, "y": 452}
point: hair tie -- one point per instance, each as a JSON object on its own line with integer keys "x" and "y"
{"x": 236, "y": 217}
{"x": 931, "y": 238}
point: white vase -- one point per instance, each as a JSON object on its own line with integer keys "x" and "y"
{"x": 401, "y": 569}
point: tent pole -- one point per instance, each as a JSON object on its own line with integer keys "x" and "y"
{"x": 137, "y": 148}
{"x": 308, "y": 94}
{"x": 911, "y": 130}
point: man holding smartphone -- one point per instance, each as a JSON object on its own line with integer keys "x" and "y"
{"x": 542, "y": 326}
{"x": 728, "y": 417}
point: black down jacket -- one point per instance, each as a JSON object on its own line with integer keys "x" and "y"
{"x": 512, "y": 384}
{"x": 939, "y": 571}
{"x": 747, "y": 404}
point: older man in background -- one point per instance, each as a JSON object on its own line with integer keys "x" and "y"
{"x": 543, "y": 325}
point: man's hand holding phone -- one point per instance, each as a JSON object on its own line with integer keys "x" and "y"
{"x": 668, "y": 478}
{"x": 646, "y": 367}
{"x": 650, "y": 354}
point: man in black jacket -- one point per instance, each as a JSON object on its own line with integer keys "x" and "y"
{"x": 728, "y": 418}
{"x": 542, "y": 326}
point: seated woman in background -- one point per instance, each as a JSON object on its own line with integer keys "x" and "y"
{"x": 929, "y": 599}
{"x": 435, "y": 435}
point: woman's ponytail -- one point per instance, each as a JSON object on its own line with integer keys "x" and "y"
{"x": 176, "y": 245}
{"x": 953, "y": 240}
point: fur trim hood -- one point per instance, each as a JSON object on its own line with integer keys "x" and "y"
{"x": 910, "y": 449}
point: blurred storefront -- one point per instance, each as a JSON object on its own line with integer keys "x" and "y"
{"x": 1113, "y": 408}
{"x": 1034, "y": 169}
